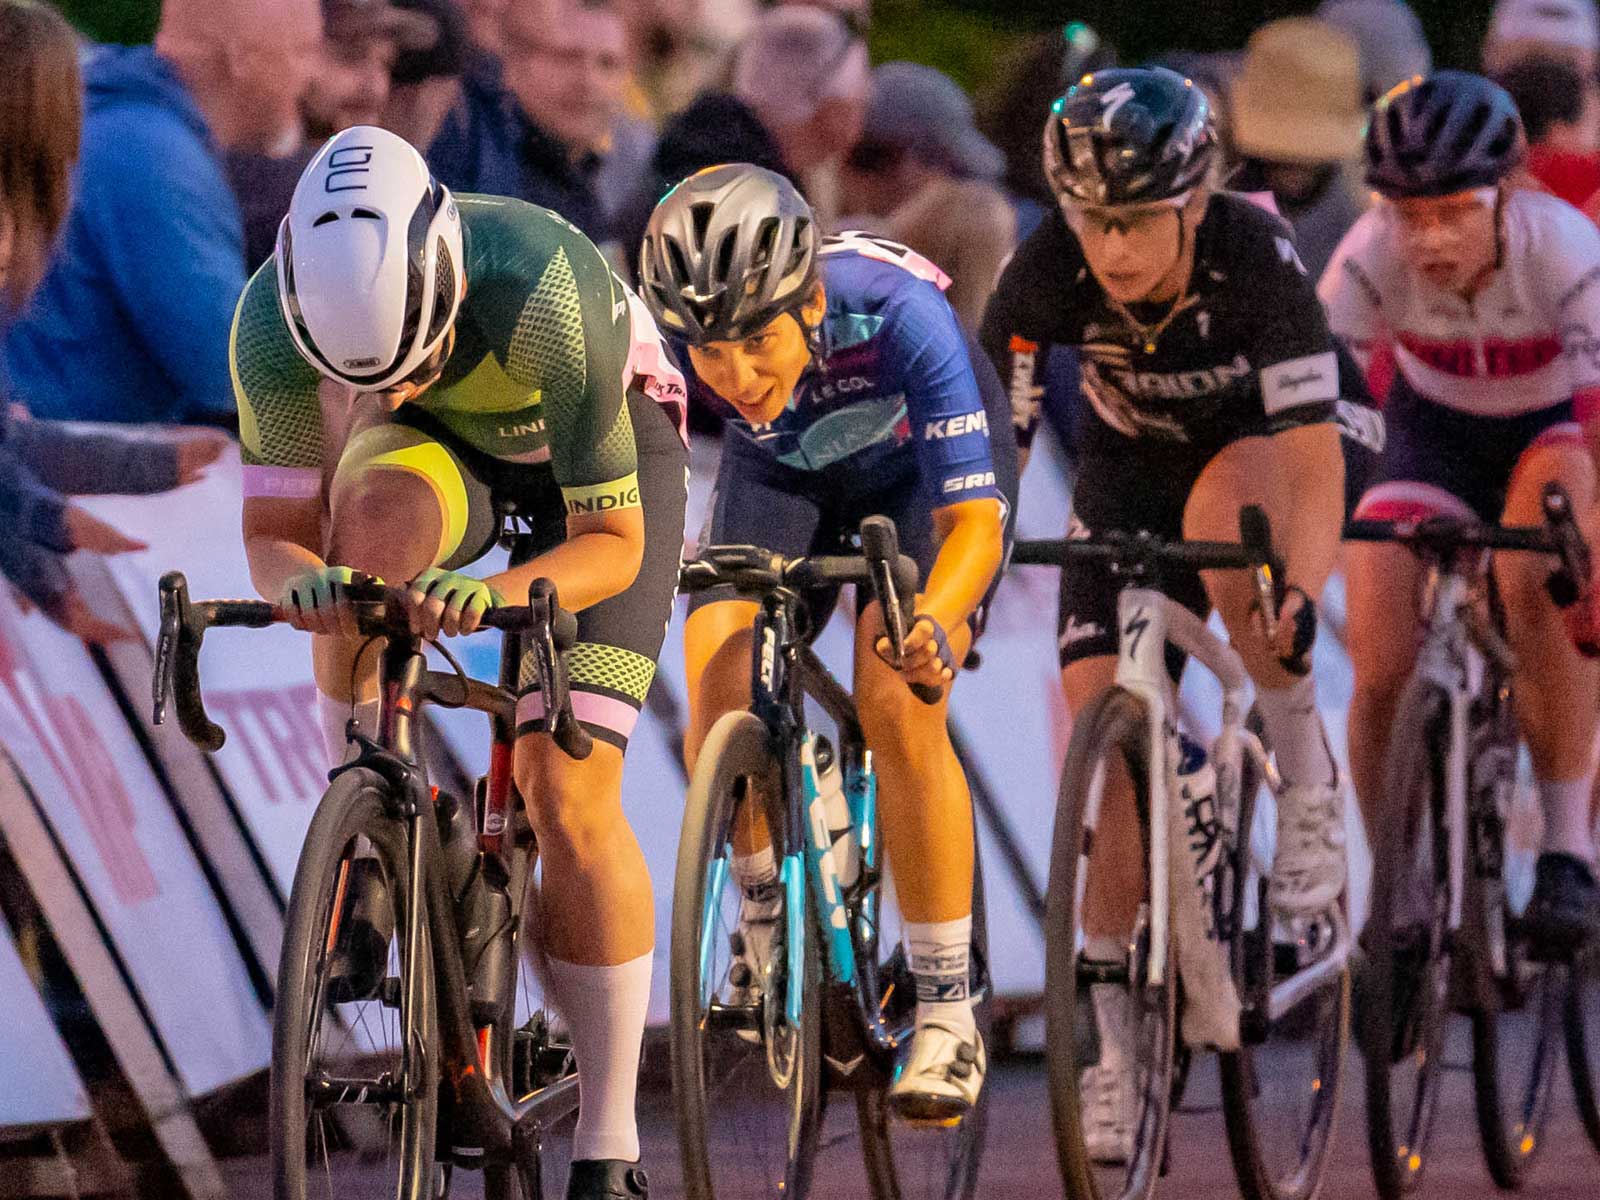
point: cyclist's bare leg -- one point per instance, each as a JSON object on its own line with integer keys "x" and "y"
{"x": 923, "y": 800}
{"x": 716, "y": 651}
{"x": 1297, "y": 477}
{"x": 1381, "y": 633}
{"x": 1117, "y": 870}
{"x": 1558, "y": 690}
{"x": 598, "y": 927}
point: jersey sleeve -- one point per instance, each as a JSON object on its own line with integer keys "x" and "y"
{"x": 1349, "y": 295}
{"x": 1297, "y": 368}
{"x": 943, "y": 404}
{"x": 280, "y": 416}
{"x": 1566, "y": 263}
{"x": 1014, "y": 338}
{"x": 571, "y": 345}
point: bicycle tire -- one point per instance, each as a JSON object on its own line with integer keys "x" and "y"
{"x": 1115, "y": 722}
{"x": 737, "y": 747}
{"x": 1242, "y": 1091}
{"x": 1512, "y": 1138}
{"x": 1413, "y": 805}
{"x": 963, "y": 1154}
{"x": 1581, "y": 1021}
{"x": 354, "y": 807}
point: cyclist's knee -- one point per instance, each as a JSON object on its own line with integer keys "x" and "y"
{"x": 892, "y": 718}
{"x": 365, "y": 534}
{"x": 572, "y": 806}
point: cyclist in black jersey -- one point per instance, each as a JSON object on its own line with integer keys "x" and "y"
{"x": 1209, "y": 381}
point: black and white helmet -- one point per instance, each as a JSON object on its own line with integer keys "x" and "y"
{"x": 371, "y": 261}
{"x": 726, "y": 251}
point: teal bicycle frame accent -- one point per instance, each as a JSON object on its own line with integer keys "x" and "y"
{"x": 831, "y": 908}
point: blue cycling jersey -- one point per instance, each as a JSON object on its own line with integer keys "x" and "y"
{"x": 892, "y": 382}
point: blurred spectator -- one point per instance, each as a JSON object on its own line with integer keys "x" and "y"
{"x": 486, "y": 21}
{"x": 806, "y": 75}
{"x": 1297, "y": 121}
{"x": 132, "y": 323}
{"x": 682, "y": 47}
{"x": 40, "y": 128}
{"x": 426, "y": 83}
{"x": 349, "y": 85}
{"x": 502, "y": 138}
{"x": 1388, "y": 37}
{"x": 1563, "y": 123}
{"x": 716, "y": 128}
{"x": 1012, "y": 113}
{"x": 1568, "y": 29}
{"x": 923, "y": 175}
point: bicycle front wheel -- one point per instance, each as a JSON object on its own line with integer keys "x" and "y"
{"x": 746, "y": 1072}
{"x": 354, "y": 1091}
{"x": 1405, "y": 992}
{"x": 1108, "y": 752}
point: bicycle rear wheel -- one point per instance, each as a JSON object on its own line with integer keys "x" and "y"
{"x": 910, "y": 1162}
{"x": 746, "y": 1079}
{"x": 1109, "y": 741}
{"x": 349, "y": 1099}
{"x": 1280, "y": 1090}
{"x": 1581, "y": 1018}
{"x": 1405, "y": 992}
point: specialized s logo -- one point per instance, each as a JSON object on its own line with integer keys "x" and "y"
{"x": 1025, "y": 394}
{"x": 1112, "y": 101}
{"x": 1289, "y": 254}
{"x": 1135, "y": 629}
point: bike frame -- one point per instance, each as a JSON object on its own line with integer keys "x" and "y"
{"x": 1147, "y": 622}
{"x": 510, "y": 1130}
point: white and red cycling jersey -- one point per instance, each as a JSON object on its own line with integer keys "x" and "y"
{"x": 1529, "y": 340}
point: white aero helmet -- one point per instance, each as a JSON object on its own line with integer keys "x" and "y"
{"x": 371, "y": 266}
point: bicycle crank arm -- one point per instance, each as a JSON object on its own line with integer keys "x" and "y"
{"x": 1293, "y": 990}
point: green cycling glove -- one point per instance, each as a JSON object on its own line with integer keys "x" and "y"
{"x": 321, "y": 588}
{"x": 460, "y": 595}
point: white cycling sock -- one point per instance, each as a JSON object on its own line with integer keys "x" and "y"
{"x": 605, "y": 1009}
{"x": 757, "y": 877}
{"x": 331, "y": 718}
{"x": 1294, "y": 730}
{"x": 1566, "y": 817}
{"x": 939, "y": 953}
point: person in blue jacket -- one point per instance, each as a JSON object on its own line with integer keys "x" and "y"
{"x": 131, "y": 323}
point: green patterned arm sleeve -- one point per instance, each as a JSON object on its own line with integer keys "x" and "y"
{"x": 280, "y": 416}
{"x": 571, "y": 344}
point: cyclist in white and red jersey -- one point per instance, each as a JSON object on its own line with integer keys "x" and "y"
{"x": 1490, "y": 299}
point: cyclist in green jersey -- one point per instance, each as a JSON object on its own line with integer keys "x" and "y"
{"x": 410, "y": 366}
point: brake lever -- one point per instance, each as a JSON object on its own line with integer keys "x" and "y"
{"x": 174, "y": 593}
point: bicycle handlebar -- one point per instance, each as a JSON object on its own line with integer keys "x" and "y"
{"x": 1442, "y": 537}
{"x": 754, "y": 571}
{"x": 380, "y": 611}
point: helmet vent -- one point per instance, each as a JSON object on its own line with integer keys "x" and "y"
{"x": 444, "y": 292}
{"x": 326, "y": 218}
{"x": 700, "y": 215}
{"x": 365, "y": 214}
{"x": 723, "y": 264}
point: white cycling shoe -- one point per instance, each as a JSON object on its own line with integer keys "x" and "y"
{"x": 1108, "y": 1104}
{"x": 1308, "y": 868}
{"x": 939, "y": 1080}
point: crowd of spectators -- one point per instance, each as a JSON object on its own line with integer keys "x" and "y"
{"x": 191, "y": 146}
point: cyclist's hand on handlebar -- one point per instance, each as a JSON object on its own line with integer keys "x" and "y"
{"x": 318, "y": 601}
{"x": 1296, "y": 630}
{"x": 1583, "y": 621}
{"x": 928, "y": 659}
{"x": 449, "y": 602}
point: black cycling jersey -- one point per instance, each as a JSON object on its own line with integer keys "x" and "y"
{"x": 1247, "y": 353}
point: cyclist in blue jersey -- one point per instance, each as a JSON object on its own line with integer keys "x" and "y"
{"x": 853, "y": 391}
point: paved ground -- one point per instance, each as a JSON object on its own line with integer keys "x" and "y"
{"x": 1019, "y": 1162}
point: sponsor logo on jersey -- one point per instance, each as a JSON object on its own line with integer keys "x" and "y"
{"x": 1178, "y": 385}
{"x": 1362, "y": 425}
{"x": 521, "y": 429}
{"x": 846, "y": 386}
{"x": 1312, "y": 379}
{"x": 957, "y": 426}
{"x": 1491, "y": 358}
{"x": 1079, "y": 631}
{"x": 965, "y": 483}
{"x": 606, "y": 502}
{"x": 1025, "y": 394}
